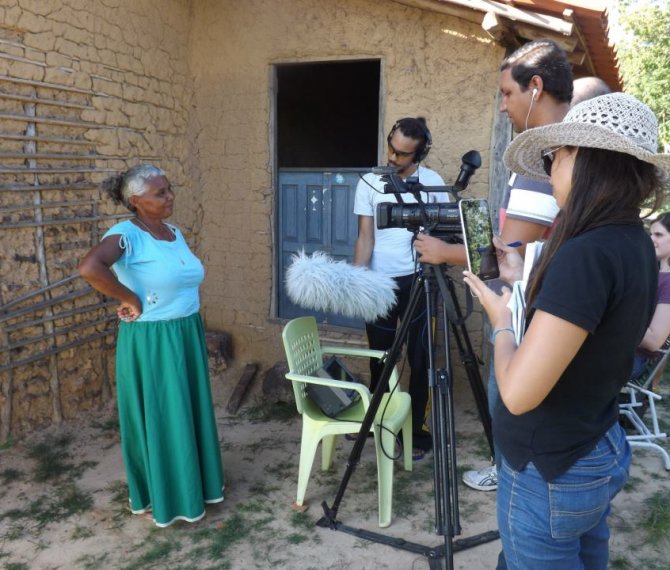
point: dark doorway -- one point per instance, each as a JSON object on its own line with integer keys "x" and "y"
{"x": 328, "y": 114}
{"x": 327, "y": 137}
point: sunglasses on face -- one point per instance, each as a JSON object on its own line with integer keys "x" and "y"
{"x": 548, "y": 156}
{"x": 398, "y": 153}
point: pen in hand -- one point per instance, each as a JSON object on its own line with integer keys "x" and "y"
{"x": 484, "y": 248}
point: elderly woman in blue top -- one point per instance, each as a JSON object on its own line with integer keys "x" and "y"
{"x": 590, "y": 299}
{"x": 168, "y": 433}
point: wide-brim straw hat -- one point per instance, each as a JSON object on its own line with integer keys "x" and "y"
{"x": 617, "y": 122}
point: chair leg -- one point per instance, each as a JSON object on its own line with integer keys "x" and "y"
{"x": 327, "y": 451}
{"x": 385, "y": 442}
{"x": 308, "y": 445}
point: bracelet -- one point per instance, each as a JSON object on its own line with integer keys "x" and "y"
{"x": 496, "y": 331}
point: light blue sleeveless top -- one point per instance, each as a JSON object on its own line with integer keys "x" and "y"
{"x": 165, "y": 275}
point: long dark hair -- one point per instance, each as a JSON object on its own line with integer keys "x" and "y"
{"x": 607, "y": 188}
{"x": 663, "y": 220}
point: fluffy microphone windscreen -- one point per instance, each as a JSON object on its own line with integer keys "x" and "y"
{"x": 321, "y": 283}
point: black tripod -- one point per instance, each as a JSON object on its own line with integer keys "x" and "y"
{"x": 440, "y": 384}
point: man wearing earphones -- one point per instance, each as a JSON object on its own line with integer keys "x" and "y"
{"x": 536, "y": 87}
{"x": 389, "y": 251}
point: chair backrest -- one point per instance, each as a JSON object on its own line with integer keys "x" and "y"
{"x": 303, "y": 353}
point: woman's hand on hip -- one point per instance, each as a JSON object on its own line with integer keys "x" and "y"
{"x": 129, "y": 311}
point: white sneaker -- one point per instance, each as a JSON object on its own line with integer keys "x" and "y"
{"x": 483, "y": 480}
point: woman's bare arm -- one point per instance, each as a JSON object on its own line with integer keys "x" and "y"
{"x": 95, "y": 268}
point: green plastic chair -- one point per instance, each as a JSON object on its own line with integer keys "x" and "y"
{"x": 305, "y": 355}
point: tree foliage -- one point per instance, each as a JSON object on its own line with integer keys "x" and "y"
{"x": 644, "y": 57}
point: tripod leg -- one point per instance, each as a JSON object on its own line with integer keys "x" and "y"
{"x": 407, "y": 443}
{"x": 444, "y": 461}
{"x": 330, "y": 518}
{"x": 470, "y": 363}
{"x": 444, "y": 458}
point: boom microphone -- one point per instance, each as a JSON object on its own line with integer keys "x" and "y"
{"x": 470, "y": 162}
{"x": 321, "y": 283}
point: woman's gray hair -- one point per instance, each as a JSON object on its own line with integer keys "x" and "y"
{"x": 134, "y": 180}
{"x": 121, "y": 187}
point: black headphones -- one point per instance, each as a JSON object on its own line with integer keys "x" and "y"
{"x": 423, "y": 148}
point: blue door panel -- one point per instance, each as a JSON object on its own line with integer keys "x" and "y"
{"x": 290, "y": 202}
{"x": 315, "y": 214}
{"x": 316, "y": 230}
{"x": 341, "y": 218}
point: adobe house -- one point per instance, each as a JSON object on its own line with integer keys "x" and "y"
{"x": 263, "y": 113}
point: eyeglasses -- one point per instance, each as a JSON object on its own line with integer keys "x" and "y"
{"x": 400, "y": 154}
{"x": 548, "y": 156}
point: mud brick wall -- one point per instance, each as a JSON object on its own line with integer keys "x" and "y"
{"x": 86, "y": 89}
{"x": 89, "y": 88}
{"x": 438, "y": 66}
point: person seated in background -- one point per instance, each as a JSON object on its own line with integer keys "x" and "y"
{"x": 659, "y": 328}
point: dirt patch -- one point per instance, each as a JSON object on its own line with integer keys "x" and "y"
{"x": 64, "y": 504}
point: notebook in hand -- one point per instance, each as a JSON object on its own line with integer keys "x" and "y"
{"x": 533, "y": 251}
{"x": 517, "y": 302}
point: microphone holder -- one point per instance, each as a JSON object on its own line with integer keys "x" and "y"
{"x": 440, "y": 382}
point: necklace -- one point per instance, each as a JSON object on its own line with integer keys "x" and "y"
{"x": 143, "y": 225}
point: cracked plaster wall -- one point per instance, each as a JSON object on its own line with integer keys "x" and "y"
{"x": 187, "y": 84}
{"x": 129, "y": 59}
{"x": 433, "y": 65}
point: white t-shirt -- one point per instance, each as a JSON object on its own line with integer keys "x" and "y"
{"x": 392, "y": 253}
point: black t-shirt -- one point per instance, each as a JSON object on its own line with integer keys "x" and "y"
{"x": 605, "y": 282}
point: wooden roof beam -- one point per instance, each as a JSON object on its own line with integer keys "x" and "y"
{"x": 507, "y": 33}
{"x": 530, "y": 33}
{"x": 586, "y": 60}
{"x": 517, "y": 15}
{"x": 500, "y": 30}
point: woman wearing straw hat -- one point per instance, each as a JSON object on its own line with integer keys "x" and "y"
{"x": 590, "y": 299}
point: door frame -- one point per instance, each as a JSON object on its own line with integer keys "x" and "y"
{"x": 274, "y": 159}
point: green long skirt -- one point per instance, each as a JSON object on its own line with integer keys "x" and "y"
{"x": 168, "y": 432}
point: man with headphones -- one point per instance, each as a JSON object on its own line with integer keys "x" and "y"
{"x": 390, "y": 251}
{"x": 536, "y": 86}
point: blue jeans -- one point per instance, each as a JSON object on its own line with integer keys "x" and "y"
{"x": 493, "y": 395}
{"x": 639, "y": 362}
{"x": 562, "y": 525}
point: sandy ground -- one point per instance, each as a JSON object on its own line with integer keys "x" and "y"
{"x": 79, "y": 519}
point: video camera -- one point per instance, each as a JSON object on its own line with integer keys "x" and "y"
{"x": 441, "y": 219}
